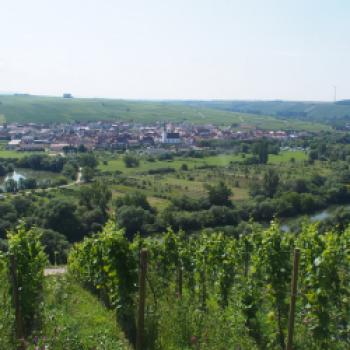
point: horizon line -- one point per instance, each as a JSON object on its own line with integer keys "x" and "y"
{"x": 24, "y": 94}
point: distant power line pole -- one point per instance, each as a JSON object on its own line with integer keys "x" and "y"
{"x": 335, "y": 93}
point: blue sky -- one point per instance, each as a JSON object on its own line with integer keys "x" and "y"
{"x": 178, "y": 49}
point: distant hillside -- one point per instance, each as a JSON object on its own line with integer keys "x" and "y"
{"x": 335, "y": 114}
{"x": 26, "y": 108}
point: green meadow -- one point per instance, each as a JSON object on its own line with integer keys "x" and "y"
{"x": 159, "y": 188}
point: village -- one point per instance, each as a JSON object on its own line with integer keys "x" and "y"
{"x": 123, "y": 135}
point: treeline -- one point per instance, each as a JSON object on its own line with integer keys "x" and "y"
{"x": 278, "y": 197}
{"x": 272, "y": 198}
{"x": 44, "y": 162}
{"x": 62, "y": 221}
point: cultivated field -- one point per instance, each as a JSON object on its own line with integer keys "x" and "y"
{"x": 55, "y": 109}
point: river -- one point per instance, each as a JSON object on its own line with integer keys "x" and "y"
{"x": 318, "y": 216}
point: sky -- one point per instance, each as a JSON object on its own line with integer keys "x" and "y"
{"x": 176, "y": 49}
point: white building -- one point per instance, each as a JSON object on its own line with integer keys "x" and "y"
{"x": 14, "y": 144}
{"x": 171, "y": 138}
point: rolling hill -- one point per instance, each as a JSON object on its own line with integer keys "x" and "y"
{"x": 40, "y": 109}
{"x": 335, "y": 114}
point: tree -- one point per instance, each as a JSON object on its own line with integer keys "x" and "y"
{"x": 219, "y": 194}
{"x": 42, "y": 162}
{"x": 184, "y": 167}
{"x": 82, "y": 148}
{"x": 261, "y": 150}
{"x": 91, "y": 220}
{"x": 270, "y": 182}
{"x": 131, "y": 161}
{"x": 96, "y": 195}
{"x": 313, "y": 155}
{"x": 87, "y": 174}
{"x": 8, "y": 217}
{"x": 88, "y": 160}
{"x": 133, "y": 219}
{"x": 28, "y": 183}
{"x": 11, "y": 185}
{"x": 70, "y": 170}
{"x": 22, "y": 205}
{"x": 223, "y": 216}
{"x": 2, "y": 170}
{"x": 136, "y": 199}
{"x": 55, "y": 245}
{"x": 59, "y": 216}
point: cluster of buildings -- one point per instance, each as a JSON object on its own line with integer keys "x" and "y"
{"x": 123, "y": 135}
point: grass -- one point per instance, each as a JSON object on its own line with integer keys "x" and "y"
{"x": 42, "y": 109}
{"x": 14, "y": 154}
{"x": 6, "y": 312}
{"x": 287, "y": 156}
{"x": 158, "y": 203}
{"x": 5, "y": 153}
{"x": 76, "y": 320}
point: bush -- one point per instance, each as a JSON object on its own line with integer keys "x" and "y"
{"x": 161, "y": 171}
{"x": 56, "y": 246}
{"x": 131, "y": 161}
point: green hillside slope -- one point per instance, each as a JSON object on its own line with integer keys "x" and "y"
{"x": 336, "y": 114}
{"x": 55, "y": 109}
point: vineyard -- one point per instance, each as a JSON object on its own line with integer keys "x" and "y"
{"x": 217, "y": 292}
{"x": 204, "y": 291}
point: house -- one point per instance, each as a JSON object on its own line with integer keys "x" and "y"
{"x": 31, "y": 147}
{"x": 147, "y": 141}
{"x": 58, "y": 147}
{"x": 13, "y": 144}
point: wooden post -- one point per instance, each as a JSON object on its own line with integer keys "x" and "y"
{"x": 19, "y": 328}
{"x": 204, "y": 288}
{"x": 142, "y": 297}
{"x": 293, "y": 295}
{"x": 179, "y": 290}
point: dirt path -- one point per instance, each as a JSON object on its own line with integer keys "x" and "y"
{"x": 55, "y": 271}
